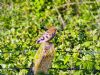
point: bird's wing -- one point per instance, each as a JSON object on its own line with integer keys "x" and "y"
{"x": 45, "y": 37}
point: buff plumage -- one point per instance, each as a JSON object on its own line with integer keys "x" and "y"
{"x": 48, "y": 35}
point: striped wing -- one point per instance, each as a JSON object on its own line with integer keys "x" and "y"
{"x": 47, "y": 35}
{"x": 44, "y": 38}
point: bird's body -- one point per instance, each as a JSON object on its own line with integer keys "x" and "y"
{"x": 48, "y": 35}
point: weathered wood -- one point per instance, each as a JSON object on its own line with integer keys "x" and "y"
{"x": 43, "y": 58}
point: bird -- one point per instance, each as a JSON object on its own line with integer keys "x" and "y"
{"x": 48, "y": 35}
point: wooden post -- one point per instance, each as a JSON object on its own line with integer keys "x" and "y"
{"x": 43, "y": 58}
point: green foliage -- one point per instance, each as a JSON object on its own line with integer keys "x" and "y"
{"x": 77, "y": 46}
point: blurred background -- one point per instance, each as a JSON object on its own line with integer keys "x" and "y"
{"x": 77, "y": 41}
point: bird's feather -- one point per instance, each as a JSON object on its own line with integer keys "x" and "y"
{"x": 48, "y": 35}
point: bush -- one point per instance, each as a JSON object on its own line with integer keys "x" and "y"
{"x": 77, "y": 45}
